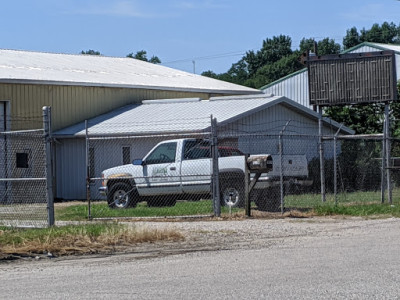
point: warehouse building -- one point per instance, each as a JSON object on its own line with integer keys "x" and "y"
{"x": 122, "y": 135}
{"x": 78, "y": 87}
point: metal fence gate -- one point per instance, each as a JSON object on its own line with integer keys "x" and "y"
{"x": 25, "y": 174}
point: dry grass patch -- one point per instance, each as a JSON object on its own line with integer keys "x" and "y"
{"x": 79, "y": 239}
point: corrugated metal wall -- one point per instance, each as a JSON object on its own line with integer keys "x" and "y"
{"x": 72, "y": 104}
{"x": 271, "y": 122}
{"x": 71, "y": 162}
{"x": 294, "y": 87}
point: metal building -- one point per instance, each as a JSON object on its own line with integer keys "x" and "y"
{"x": 146, "y": 124}
{"x": 78, "y": 87}
{"x": 295, "y": 85}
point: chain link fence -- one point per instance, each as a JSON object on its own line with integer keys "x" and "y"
{"x": 209, "y": 172}
{"x": 175, "y": 174}
{"x": 23, "y": 197}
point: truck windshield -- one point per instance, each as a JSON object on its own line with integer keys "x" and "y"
{"x": 164, "y": 153}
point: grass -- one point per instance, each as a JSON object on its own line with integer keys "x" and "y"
{"x": 78, "y": 239}
{"x": 111, "y": 237}
{"x": 361, "y": 210}
{"x": 79, "y": 212}
{"x": 353, "y": 204}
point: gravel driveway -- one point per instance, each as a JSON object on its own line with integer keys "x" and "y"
{"x": 253, "y": 233}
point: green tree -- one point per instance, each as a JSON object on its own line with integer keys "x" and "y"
{"x": 271, "y": 51}
{"x": 324, "y": 47}
{"x": 142, "y": 55}
{"x": 91, "y": 52}
{"x": 210, "y": 74}
{"x": 387, "y": 33}
{"x": 276, "y": 70}
{"x": 352, "y": 38}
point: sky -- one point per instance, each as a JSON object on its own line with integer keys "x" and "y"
{"x": 188, "y": 35}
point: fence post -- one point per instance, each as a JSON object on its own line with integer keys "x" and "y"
{"x": 215, "y": 168}
{"x": 321, "y": 155}
{"x": 88, "y": 171}
{"x": 335, "y": 163}
{"x": 247, "y": 200}
{"x": 388, "y": 149}
{"x": 49, "y": 169}
{"x": 281, "y": 166}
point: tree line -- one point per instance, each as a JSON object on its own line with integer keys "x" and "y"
{"x": 141, "y": 55}
{"x": 276, "y": 58}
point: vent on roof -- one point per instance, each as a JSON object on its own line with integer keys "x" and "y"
{"x": 167, "y": 101}
{"x": 246, "y": 97}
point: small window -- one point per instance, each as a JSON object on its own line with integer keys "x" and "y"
{"x": 22, "y": 160}
{"x": 126, "y": 155}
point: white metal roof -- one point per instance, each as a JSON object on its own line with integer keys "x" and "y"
{"x": 182, "y": 115}
{"x": 94, "y": 70}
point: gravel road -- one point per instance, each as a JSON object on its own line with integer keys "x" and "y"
{"x": 315, "y": 258}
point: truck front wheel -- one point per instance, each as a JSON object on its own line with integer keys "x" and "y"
{"x": 232, "y": 193}
{"x": 122, "y": 195}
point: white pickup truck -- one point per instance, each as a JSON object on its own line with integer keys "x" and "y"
{"x": 182, "y": 169}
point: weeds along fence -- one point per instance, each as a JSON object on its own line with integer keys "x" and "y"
{"x": 186, "y": 178}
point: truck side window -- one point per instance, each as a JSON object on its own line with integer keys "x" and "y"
{"x": 197, "y": 149}
{"x": 164, "y": 153}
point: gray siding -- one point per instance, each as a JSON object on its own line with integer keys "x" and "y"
{"x": 294, "y": 87}
{"x": 71, "y": 162}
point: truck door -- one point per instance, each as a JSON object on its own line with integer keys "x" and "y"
{"x": 161, "y": 171}
{"x": 196, "y": 167}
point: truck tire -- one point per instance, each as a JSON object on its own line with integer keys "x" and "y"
{"x": 232, "y": 190}
{"x": 268, "y": 199}
{"x": 122, "y": 195}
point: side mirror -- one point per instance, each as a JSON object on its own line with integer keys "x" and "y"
{"x": 138, "y": 162}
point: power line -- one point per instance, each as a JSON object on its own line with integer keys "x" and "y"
{"x": 215, "y": 56}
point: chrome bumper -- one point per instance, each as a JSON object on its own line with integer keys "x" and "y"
{"x": 103, "y": 190}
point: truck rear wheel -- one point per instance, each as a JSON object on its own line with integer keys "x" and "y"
{"x": 122, "y": 195}
{"x": 232, "y": 190}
